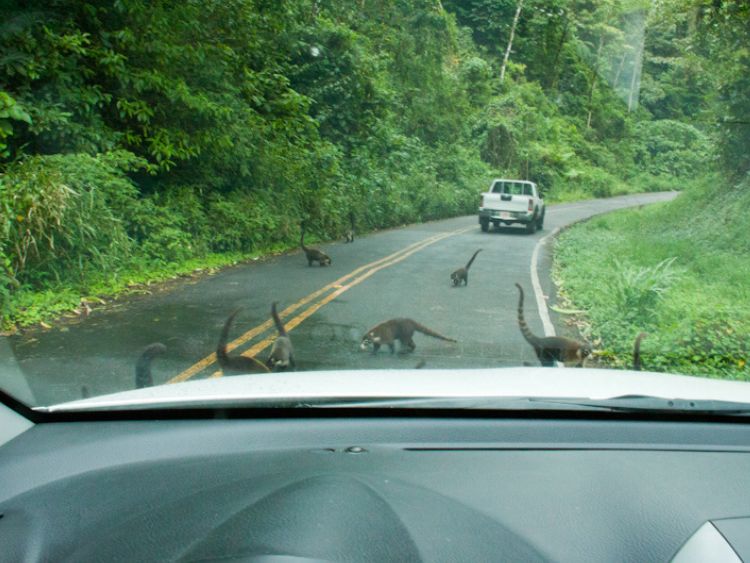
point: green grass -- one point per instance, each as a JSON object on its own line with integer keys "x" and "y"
{"x": 679, "y": 271}
{"x": 31, "y": 307}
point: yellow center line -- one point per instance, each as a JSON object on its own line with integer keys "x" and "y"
{"x": 373, "y": 267}
{"x": 253, "y": 332}
{"x": 296, "y": 321}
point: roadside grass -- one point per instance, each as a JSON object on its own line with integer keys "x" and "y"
{"x": 679, "y": 271}
{"x": 30, "y": 307}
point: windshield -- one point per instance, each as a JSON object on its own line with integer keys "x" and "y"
{"x": 204, "y": 190}
{"x": 513, "y": 188}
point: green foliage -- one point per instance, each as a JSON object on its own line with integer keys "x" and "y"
{"x": 672, "y": 148}
{"x": 697, "y": 313}
{"x": 63, "y": 214}
{"x": 637, "y": 290}
{"x": 10, "y": 111}
{"x": 139, "y": 135}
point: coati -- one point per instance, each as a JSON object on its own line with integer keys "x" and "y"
{"x": 143, "y": 376}
{"x": 552, "y": 348}
{"x": 313, "y": 254}
{"x": 462, "y": 274}
{"x": 282, "y": 354}
{"x": 402, "y": 330}
{"x": 349, "y": 235}
{"x": 235, "y": 364}
{"x": 637, "y": 351}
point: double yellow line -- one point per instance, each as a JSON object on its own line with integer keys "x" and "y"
{"x": 341, "y": 285}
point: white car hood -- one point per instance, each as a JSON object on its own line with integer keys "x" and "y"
{"x": 516, "y": 382}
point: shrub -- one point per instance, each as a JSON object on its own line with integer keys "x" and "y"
{"x": 63, "y": 215}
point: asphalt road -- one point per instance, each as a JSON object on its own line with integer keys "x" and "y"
{"x": 396, "y": 273}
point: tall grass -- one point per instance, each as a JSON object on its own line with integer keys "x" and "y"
{"x": 679, "y": 271}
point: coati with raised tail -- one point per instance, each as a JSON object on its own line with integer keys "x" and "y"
{"x": 552, "y": 348}
{"x": 402, "y": 330}
{"x": 143, "y": 376}
{"x": 462, "y": 274}
{"x": 282, "y": 353}
{"x": 349, "y": 235}
{"x": 313, "y": 254}
{"x": 637, "y": 351}
{"x": 235, "y": 364}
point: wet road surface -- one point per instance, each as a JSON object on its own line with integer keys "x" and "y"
{"x": 396, "y": 273}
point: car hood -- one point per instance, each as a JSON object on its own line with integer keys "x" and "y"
{"x": 303, "y": 388}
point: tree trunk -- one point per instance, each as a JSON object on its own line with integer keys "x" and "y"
{"x": 555, "y": 72}
{"x": 510, "y": 39}
{"x": 616, "y": 80}
{"x": 594, "y": 78}
{"x": 635, "y": 78}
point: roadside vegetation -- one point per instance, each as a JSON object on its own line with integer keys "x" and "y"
{"x": 679, "y": 271}
{"x": 144, "y": 140}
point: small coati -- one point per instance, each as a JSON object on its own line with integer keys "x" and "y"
{"x": 282, "y": 353}
{"x": 143, "y": 376}
{"x": 235, "y": 364}
{"x": 313, "y": 254}
{"x": 349, "y": 235}
{"x": 462, "y": 274}
{"x": 552, "y": 348}
{"x": 402, "y": 330}
{"x": 637, "y": 351}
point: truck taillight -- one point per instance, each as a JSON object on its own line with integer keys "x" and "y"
{"x": 531, "y": 206}
{"x": 481, "y": 201}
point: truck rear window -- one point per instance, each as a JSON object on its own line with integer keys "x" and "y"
{"x": 513, "y": 188}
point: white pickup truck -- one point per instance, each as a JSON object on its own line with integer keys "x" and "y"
{"x": 512, "y": 201}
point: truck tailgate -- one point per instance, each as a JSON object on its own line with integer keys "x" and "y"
{"x": 506, "y": 202}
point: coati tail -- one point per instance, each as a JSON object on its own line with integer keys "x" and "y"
{"x": 143, "y": 377}
{"x": 468, "y": 264}
{"x": 235, "y": 363}
{"x": 277, "y": 320}
{"x": 525, "y": 330}
{"x": 221, "y": 349}
{"x": 424, "y": 330}
{"x": 637, "y": 351}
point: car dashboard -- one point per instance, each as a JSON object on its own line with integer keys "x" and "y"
{"x": 320, "y": 485}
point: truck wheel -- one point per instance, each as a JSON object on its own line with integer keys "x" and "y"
{"x": 485, "y": 224}
{"x": 540, "y": 223}
{"x": 531, "y": 227}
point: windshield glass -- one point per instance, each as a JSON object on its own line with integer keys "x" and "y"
{"x": 201, "y": 190}
{"x": 514, "y": 188}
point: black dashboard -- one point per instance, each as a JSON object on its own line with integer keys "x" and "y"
{"x": 372, "y": 488}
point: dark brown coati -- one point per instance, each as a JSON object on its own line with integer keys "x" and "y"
{"x": 637, "y": 351}
{"x": 552, "y": 348}
{"x": 313, "y": 254}
{"x": 282, "y": 353}
{"x": 349, "y": 235}
{"x": 462, "y": 274}
{"x": 402, "y": 330}
{"x": 143, "y": 376}
{"x": 235, "y": 364}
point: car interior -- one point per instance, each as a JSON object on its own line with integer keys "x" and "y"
{"x": 373, "y": 484}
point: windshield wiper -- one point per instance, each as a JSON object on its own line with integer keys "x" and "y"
{"x": 625, "y": 404}
{"x": 642, "y": 404}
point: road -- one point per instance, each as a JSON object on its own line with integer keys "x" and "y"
{"x": 401, "y": 272}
